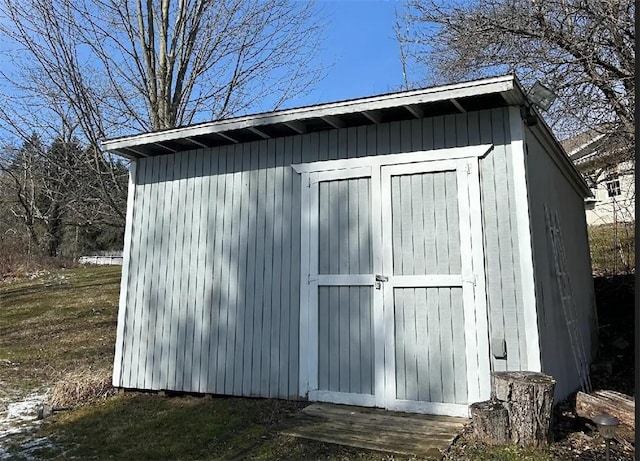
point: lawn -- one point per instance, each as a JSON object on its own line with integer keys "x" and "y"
{"x": 612, "y": 248}
{"x": 56, "y": 323}
{"x": 61, "y": 324}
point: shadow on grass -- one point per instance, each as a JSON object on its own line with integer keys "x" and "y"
{"x": 143, "y": 426}
{"x": 152, "y": 427}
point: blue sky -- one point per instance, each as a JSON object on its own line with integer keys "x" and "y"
{"x": 361, "y": 50}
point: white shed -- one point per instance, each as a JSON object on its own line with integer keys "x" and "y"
{"x": 387, "y": 251}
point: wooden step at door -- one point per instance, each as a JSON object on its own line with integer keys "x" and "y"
{"x": 425, "y": 436}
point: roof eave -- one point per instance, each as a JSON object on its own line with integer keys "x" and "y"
{"x": 506, "y": 86}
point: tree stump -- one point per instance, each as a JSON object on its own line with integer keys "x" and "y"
{"x": 529, "y": 401}
{"x": 490, "y": 422}
{"x": 519, "y": 410}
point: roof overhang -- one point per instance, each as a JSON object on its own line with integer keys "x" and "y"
{"x": 429, "y": 102}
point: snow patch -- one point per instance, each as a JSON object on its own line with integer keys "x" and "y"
{"x": 18, "y": 423}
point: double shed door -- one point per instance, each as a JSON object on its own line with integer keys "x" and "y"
{"x": 394, "y": 301}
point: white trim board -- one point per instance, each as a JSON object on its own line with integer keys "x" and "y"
{"x": 430, "y": 408}
{"x": 480, "y": 290}
{"x": 124, "y": 279}
{"x": 380, "y": 170}
{"x": 507, "y": 85}
{"x": 425, "y": 281}
{"x": 378, "y": 295}
{"x": 343, "y": 398}
{"x": 305, "y": 290}
{"x": 464, "y": 179}
{"x": 527, "y": 277}
{"x": 395, "y": 159}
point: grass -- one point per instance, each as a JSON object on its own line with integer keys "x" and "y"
{"x": 64, "y": 322}
{"x": 149, "y": 427}
{"x": 612, "y": 248}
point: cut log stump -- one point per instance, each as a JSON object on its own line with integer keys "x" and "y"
{"x": 613, "y": 403}
{"x": 519, "y": 411}
{"x": 529, "y": 400}
{"x": 490, "y": 422}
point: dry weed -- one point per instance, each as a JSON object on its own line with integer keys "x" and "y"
{"x": 82, "y": 387}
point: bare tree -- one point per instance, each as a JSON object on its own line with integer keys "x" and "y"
{"x": 154, "y": 64}
{"x": 103, "y": 68}
{"x": 19, "y": 182}
{"x": 46, "y": 190}
{"x": 583, "y": 49}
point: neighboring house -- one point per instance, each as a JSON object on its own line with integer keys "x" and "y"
{"x": 612, "y": 182}
{"x": 383, "y": 251}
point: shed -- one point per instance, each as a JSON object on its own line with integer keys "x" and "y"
{"x": 388, "y": 251}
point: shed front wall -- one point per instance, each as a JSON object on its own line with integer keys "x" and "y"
{"x": 549, "y": 187}
{"x": 213, "y": 285}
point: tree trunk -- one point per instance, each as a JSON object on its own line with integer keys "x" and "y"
{"x": 519, "y": 410}
{"x": 613, "y": 403}
{"x": 490, "y": 422}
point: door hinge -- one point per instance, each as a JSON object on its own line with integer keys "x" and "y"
{"x": 468, "y": 168}
{"x": 311, "y": 279}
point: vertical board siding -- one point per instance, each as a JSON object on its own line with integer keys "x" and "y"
{"x": 504, "y": 299}
{"x": 548, "y": 186}
{"x": 345, "y": 228}
{"x": 425, "y": 225}
{"x": 345, "y": 339}
{"x": 212, "y": 301}
{"x": 251, "y": 171}
{"x": 430, "y": 345}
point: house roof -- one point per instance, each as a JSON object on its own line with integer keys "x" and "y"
{"x": 575, "y": 145}
{"x": 597, "y": 148}
{"x": 463, "y": 97}
{"x": 441, "y": 100}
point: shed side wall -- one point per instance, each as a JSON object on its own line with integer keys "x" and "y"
{"x": 548, "y": 186}
{"x": 212, "y": 301}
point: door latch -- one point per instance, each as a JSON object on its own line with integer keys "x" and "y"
{"x": 380, "y": 279}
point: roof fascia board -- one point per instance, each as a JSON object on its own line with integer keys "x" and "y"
{"x": 503, "y": 84}
{"x": 560, "y": 154}
{"x": 543, "y": 133}
{"x": 518, "y": 95}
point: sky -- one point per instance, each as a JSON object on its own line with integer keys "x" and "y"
{"x": 360, "y": 49}
{"x": 359, "y": 52}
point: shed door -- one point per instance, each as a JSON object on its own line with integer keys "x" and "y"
{"x": 393, "y": 310}
{"x": 429, "y": 288}
{"x": 341, "y": 281}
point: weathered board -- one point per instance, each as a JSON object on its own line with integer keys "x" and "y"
{"x": 397, "y": 433}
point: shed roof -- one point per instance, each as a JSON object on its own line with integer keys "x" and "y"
{"x": 468, "y": 96}
{"x": 427, "y": 102}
